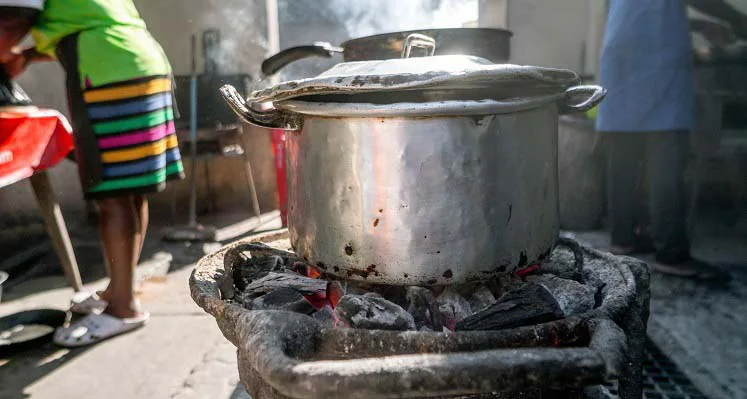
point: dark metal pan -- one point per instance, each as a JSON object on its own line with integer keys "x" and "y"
{"x": 492, "y": 44}
{"x": 28, "y": 329}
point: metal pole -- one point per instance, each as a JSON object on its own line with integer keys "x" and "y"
{"x": 273, "y": 31}
{"x": 193, "y": 136}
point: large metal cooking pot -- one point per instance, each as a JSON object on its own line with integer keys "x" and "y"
{"x": 421, "y": 171}
{"x": 492, "y": 44}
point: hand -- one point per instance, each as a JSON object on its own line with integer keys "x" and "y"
{"x": 15, "y": 65}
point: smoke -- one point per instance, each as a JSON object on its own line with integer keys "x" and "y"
{"x": 243, "y": 29}
{"x": 307, "y": 21}
{"x": 243, "y": 37}
{"x": 369, "y": 17}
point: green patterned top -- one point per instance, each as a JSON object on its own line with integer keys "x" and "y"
{"x": 113, "y": 42}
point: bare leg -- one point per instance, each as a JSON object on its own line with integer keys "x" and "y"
{"x": 140, "y": 204}
{"x": 121, "y": 241}
{"x": 141, "y": 212}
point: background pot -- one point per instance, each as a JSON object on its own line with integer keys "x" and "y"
{"x": 491, "y": 44}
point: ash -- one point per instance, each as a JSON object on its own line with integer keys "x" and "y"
{"x": 267, "y": 278}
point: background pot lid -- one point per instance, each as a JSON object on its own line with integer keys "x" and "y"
{"x": 449, "y": 74}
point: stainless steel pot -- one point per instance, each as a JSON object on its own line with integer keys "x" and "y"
{"x": 422, "y": 193}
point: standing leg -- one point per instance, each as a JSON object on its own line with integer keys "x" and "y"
{"x": 121, "y": 241}
{"x": 666, "y": 153}
{"x": 623, "y": 163}
{"x": 56, "y": 227}
{"x": 141, "y": 211}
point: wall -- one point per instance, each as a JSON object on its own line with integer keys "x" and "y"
{"x": 548, "y": 33}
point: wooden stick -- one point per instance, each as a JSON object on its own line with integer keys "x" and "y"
{"x": 56, "y": 228}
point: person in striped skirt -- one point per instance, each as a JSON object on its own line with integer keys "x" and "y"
{"x": 119, "y": 85}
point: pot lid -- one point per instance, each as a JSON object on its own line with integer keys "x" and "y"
{"x": 449, "y": 75}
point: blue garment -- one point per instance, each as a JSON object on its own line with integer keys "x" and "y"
{"x": 647, "y": 67}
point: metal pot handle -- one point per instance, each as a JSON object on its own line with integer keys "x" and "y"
{"x": 271, "y": 65}
{"x": 420, "y": 41}
{"x": 591, "y": 95}
{"x": 265, "y": 117}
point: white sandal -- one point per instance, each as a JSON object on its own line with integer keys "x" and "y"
{"x": 95, "y": 328}
{"x": 87, "y": 303}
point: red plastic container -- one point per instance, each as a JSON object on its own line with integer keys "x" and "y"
{"x": 31, "y": 141}
{"x": 278, "y": 149}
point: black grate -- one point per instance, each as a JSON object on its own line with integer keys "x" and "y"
{"x": 662, "y": 379}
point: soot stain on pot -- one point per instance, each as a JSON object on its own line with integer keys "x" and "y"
{"x": 376, "y": 222}
{"x": 321, "y": 265}
{"x": 336, "y": 269}
{"x": 371, "y": 269}
{"x": 360, "y": 273}
{"x": 523, "y": 258}
{"x": 349, "y": 249}
{"x": 448, "y": 274}
{"x": 510, "y": 212}
{"x": 545, "y": 254}
{"x": 431, "y": 281}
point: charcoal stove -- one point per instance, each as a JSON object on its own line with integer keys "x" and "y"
{"x": 283, "y": 354}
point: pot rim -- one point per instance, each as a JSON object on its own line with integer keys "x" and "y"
{"x": 454, "y": 72}
{"x": 414, "y": 109}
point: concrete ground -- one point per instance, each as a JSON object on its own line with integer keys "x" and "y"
{"x": 180, "y": 354}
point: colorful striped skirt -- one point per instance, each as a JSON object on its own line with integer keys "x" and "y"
{"x": 124, "y": 132}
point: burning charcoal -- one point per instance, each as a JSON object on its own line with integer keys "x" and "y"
{"x": 284, "y": 299}
{"x": 371, "y": 313}
{"x": 373, "y": 295}
{"x": 528, "y": 305}
{"x": 423, "y": 307}
{"x": 393, "y": 293}
{"x": 335, "y": 291}
{"x": 452, "y": 307}
{"x": 259, "y": 249}
{"x": 273, "y": 281}
{"x": 481, "y": 298}
{"x": 326, "y": 316}
{"x": 417, "y": 305}
{"x": 252, "y": 269}
{"x": 572, "y": 296}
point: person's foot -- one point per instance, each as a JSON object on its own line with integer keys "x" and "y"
{"x": 635, "y": 249}
{"x": 692, "y": 268}
{"x": 642, "y": 244}
{"x": 87, "y": 303}
{"x": 123, "y": 309}
{"x": 95, "y": 328}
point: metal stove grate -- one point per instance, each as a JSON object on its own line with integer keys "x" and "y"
{"x": 662, "y": 379}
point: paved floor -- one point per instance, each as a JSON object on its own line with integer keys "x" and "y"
{"x": 179, "y": 354}
{"x": 701, "y": 327}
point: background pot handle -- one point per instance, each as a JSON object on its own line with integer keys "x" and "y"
{"x": 417, "y": 40}
{"x": 278, "y": 61}
{"x": 589, "y": 96}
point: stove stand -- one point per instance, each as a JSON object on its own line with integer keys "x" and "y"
{"x": 287, "y": 355}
